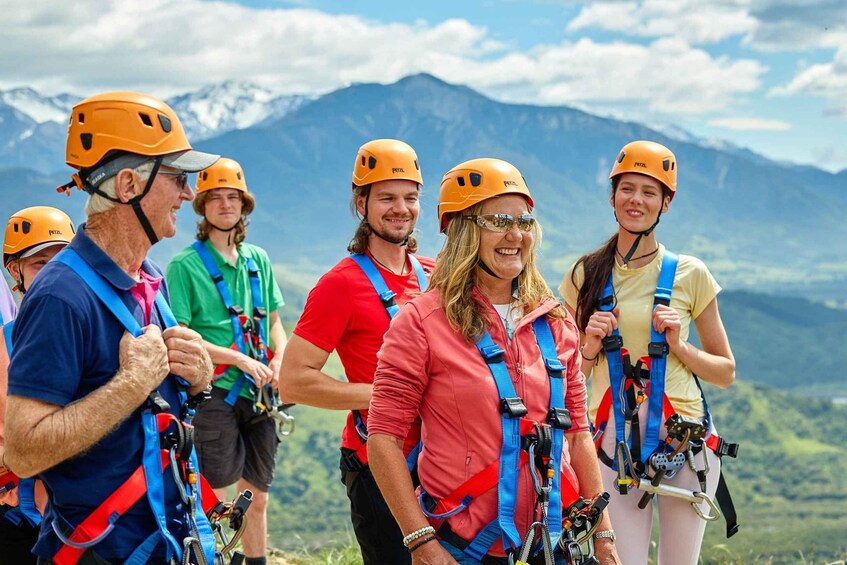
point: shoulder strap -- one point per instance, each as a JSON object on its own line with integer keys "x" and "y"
{"x": 558, "y": 417}
{"x": 233, "y": 310}
{"x": 419, "y": 272}
{"x": 108, "y": 296}
{"x": 512, "y": 409}
{"x": 658, "y": 351}
{"x": 386, "y": 296}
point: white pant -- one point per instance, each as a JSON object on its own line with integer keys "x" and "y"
{"x": 680, "y": 528}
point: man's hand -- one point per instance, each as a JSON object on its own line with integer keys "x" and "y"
{"x": 258, "y": 371}
{"x": 187, "y": 357}
{"x": 143, "y": 359}
{"x": 275, "y": 365}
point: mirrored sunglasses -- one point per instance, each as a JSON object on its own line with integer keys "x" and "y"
{"x": 503, "y": 222}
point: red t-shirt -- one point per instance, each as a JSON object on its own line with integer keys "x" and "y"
{"x": 344, "y": 313}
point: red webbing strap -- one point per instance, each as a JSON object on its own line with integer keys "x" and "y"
{"x": 208, "y": 499}
{"x": 488, "y": 478}
{"x": 570, "y": 496}
{"x": 477, "y": 485}
{"x": 8, "y": 481}
{"x": 113, "y": 507}
{"x": 605, "y": 406}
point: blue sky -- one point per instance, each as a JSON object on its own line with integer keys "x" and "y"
{"x": 770, "y": 75}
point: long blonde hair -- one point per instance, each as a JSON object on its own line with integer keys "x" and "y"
{"x": 455, "y": 276}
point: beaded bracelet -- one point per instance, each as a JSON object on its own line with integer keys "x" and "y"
{"x": 420, "y": 543}
{"x": 417, "y": 534}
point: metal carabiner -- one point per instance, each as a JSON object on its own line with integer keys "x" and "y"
{"x": 284, "y": 422}
{"x": 715, "y": 511}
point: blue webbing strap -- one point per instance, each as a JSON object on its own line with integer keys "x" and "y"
{"x": 509, "y": 451}
{"x": 555, "y": 373}
{"x": 614, "y": 357}
{"x": 151, "y": 459}
{"x": 386, "y": 296}
{"x": 658, "y": 351}
{"x": 226, "y": 297}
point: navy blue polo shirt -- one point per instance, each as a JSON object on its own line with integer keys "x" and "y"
{"x": 66, "y": 346}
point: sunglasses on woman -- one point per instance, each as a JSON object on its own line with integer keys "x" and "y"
{"x": 503, "y": 222}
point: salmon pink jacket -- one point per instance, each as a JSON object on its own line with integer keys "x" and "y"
{"x": 427, "y": 367}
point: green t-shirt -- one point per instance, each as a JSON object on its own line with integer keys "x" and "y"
{"x": 196, "y": 302}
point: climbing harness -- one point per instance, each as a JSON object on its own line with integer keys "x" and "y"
{"x": 249, "y": 339}
{"x": 358, "y": 459}
{"x": 636, "y": 457}
{"x": 526, "y": 443}
{"x": 168, "y": 443}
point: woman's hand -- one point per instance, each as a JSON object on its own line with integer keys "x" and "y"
{"x": 605, "y": 552}
{"x": 432, "y": 553}
{"x": 600, "y": 325}
{"x": 666, "y": 319}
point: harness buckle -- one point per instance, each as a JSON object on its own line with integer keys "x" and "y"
{"x": 235, "y": 310}
{"x": 612, "y": 343}
{"x": 492, "y": 354}
{"x": 513, "y": 406}
{"x": 387, "y": 298}
{"x": 657, "y": 349}
{"x": 560, "y": 418}
{"x": 726, "y": 448}
{"x": 555, "y": 369}
{"x": 157, "y": 403}
{"x": 260, "y": 312}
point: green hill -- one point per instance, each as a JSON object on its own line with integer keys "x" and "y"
{"x": 786, "y": 343}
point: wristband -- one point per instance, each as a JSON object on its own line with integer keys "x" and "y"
{"x": 420, "y": 543}
{"x": 582, "y": 354}
{"x": 417, "y": 534}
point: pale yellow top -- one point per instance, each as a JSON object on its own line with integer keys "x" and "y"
{"x": 694, "y": 288}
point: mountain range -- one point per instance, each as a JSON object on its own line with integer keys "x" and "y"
{"x": 33, "y": 125}
{"x": 757, "y": 223}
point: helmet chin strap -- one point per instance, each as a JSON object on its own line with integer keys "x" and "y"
{"x": 136, "y": 203}
{"x": 626, "y": 258}
{"x": 228, "y": 231}
{"x": 488, "y": 270}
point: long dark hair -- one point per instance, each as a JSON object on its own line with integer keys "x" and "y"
{"x": 596, "y": 268}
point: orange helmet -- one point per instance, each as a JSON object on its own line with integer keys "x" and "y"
{"x": 473, "y": 181}
{"x": 385, "y": 159}
{"x": 129, "y": 122}
{"x": 225, "y": 173}
{"x": 33, "y": 229}
{"x": 647, "y": 158}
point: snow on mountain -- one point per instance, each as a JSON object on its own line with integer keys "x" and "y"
{"x": 38, "y": 107}
{"x": 205, "y": 113}
{"x": 231, "y": 105}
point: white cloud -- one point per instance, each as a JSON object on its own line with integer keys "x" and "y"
{"x": 694, "y": 21}
{"x": 166, "y": 47}
{"x": 750, "y": 124}
{"x": 827, "y": 80}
